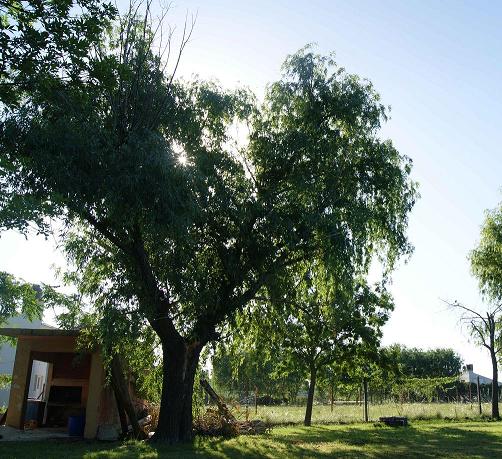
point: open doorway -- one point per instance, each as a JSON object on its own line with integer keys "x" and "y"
{"x": 37, "y": 394}
{"x": 58, "y": 390}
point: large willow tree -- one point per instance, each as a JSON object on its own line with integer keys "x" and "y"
{"x": 167, "y": 215}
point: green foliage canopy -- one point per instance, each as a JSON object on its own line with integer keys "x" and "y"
{"x": 21, "y": 298}
{"x": 45, "y": 40}
{"x": 18, "y": 298}
{"x": 486, "y": 258}
{"x": 321, "y": 321}
{"x": 240, "y": 366}
{"x": 431, "y": 363}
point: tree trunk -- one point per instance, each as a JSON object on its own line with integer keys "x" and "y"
{"x": 365, "y": 394}
{"x": 122, "y": 415}
{"x": 495, "y": 386}
{"x": 247, "y": 400}
{"x": 479, "y": 397}
{"x": 175, "y": 417}
{"x": 310, "y": 397}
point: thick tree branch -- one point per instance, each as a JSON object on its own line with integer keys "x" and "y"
{"x": 105, "y": 231}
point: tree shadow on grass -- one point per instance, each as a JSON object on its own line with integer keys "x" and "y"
{"x": 423, "y": 440}
{"x": 437, "y": 440}
{"x": 426, "y": 441}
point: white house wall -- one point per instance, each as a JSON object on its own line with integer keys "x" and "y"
{"x": 8, "y": 355}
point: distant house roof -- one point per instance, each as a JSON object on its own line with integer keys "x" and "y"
{"x": 14, "y": 332}
{"x": 470, "y": 377}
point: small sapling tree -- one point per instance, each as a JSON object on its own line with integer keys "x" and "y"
{"x": 318, "y": 321}
{"x": 485, "y": 329}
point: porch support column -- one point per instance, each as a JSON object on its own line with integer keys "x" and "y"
{"x": 20, "y": 384}
{"x": 96, "y": 383}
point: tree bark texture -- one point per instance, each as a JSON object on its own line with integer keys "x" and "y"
{"x": 365, "y": 394}
{"x": 310, "y": 397}
{"x": 495, "y": 387}
{"x": 175, "y": 417}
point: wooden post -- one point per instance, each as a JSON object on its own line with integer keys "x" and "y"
{"x": 365, "y": 390}
{"x": 479, "y": 398}
{"x": 21, "y": 374}
{"x": 332, "y": 397}
{"x": 255, "y": 400}
{"x": 124, "y": 425}
{"x": 123, "y": 397}
{"x": 247, "y": 401}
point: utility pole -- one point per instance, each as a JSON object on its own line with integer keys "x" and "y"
{"x": 332, "y": 396}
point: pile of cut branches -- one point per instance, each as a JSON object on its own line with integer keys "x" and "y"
{"x": 221, "y": 422}
{"x": 214, "y": 423}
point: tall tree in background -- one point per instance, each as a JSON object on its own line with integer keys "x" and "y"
{"x": 430, "y": 363}
{"x": 165, "y": 218}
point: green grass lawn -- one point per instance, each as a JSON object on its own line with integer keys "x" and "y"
{"x": 422, "y": 439}
{"x": 322, "y": 414}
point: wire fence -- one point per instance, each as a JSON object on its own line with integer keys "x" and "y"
{"x": 416, "y": 400}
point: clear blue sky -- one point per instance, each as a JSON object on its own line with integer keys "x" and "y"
{"x": 438, "y": 64}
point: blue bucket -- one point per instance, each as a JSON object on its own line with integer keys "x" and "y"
{"x": 76, "y": 426}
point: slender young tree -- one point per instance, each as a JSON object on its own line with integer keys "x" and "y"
{"x": 317, "y": 321}
{"x": 486, "y": 265}
{"x": 485, "y": 328}
{"x": 164, "y": 215}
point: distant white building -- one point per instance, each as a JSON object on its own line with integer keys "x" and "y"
{"x": 8, "y": 355}
{"x": 469, "y": 376}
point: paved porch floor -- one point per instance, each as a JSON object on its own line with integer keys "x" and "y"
{"x": 43, "y": 433}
